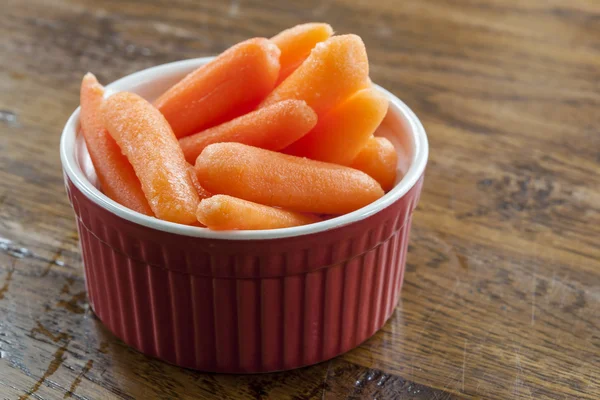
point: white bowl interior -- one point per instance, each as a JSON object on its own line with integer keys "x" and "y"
{"x": 400, "y": 126}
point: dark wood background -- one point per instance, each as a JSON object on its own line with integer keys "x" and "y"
{"x": 502, "y": 293}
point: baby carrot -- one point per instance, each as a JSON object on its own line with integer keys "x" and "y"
{"x": 147, "y": 140}
{"x": 273, "y": 128}
{"x": 342, "y": 132}
{"x": 378, "y": 159}
{"x": 297, "y": 42}
{"x": 202, "y": 193}
{"x": 227, "y": 87}
{"x": 334, "y": 70}
{"x": 281, "y": 180}
{"x": 115, "y": 173}
{"x": 221, "y": 212}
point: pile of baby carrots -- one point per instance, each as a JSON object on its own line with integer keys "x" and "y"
{"x": 272, "y": 133}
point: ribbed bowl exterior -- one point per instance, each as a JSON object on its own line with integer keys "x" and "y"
{"x": 243, "y": 306}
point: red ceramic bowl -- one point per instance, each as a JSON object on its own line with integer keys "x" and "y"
{"x": 245, "y": 301}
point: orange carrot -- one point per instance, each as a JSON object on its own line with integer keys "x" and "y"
{"x": 281, "y": 180}
{"x": 378, "y": 159}
{"x": 202, "y": 193}
{"x": 227, "y": 87}
{"x": 343, "y": 132}
{"x": 221, "y": 212}
{"x": 115, "y": 173}
{"x": 147, "y": 140}
{"x": 297, "y": 42}
{"x": 334, "y": 70}
{"x": 273, "y": 128}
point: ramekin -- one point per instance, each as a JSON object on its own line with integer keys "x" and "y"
{"x": 244, "y": 301}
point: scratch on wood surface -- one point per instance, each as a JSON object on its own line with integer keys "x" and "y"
{"x": 57, "y": 360}
{"x": 234, "y": 8}
{"x": 322, "y": 8}
{"x": 533, "y": 290}
{"x": 7, "y": 280}
{"x": 44, "y": 331}
{"x": 54, "y": 261}
{"x": 77, "y": 381}
{"x": 518, "y": 374}
{"x": 488, "y": 333}
{"x": 518, "y": 381}
{"x": 66, "y": 289}
{"x": 464, "y": 365}
{"x": 450, "y": 379}
{"x": 72, "y": 304}
{"x": 562, "y": 297}
{"x": 52, "y": 368}
{"x": 325, "y": 380}
{"x": 437, "y": 308}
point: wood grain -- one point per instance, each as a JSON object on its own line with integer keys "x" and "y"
{"x": 502, "y": 292}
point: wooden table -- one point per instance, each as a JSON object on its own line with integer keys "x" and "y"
{"x": 502, "y": 292}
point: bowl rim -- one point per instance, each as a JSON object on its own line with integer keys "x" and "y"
{"x": 74, "y": 173}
